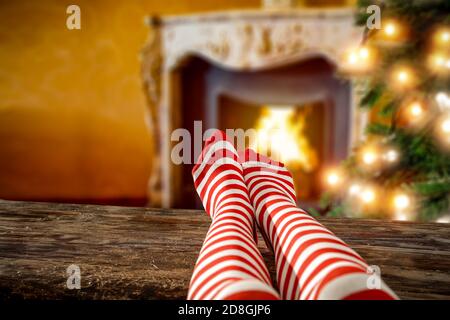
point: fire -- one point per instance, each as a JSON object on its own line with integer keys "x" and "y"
{"x": 280, "y": 135}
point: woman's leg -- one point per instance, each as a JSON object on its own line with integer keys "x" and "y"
{"x": 312, "y": 263}
{"x": 229, "y": 265}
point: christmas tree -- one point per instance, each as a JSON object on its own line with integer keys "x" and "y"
{"x": 402, "y": 168}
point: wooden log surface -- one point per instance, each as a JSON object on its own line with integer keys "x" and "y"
{"x": 142, "y": 253}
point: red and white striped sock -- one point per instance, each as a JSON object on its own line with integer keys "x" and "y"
{"x": 229, "y": 265}
{"x": 311, "y": 262}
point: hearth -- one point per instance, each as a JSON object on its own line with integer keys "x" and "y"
{"x": 262, "y": 70}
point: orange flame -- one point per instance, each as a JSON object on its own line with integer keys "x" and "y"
{"x": 280, "y": 136}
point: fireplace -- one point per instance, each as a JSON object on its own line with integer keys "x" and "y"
{"x": 305, "y": 100}
{"x": 258, "y": 70}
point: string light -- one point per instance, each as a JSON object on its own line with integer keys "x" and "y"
{"x": 368, "y": 196}
{"x": 403, "y": 77}
{"x": 443, "y": 129}
{"x": 439, "y": 59}
{"x": 363, "y": 53}
{"x": 442, "y": 37}
{"x": 369, "y": 156}
{"x": 402, "y": 204}
{"x": 445, "y": 126}
{"x": 401, "y": 201}
{"x": 354, "y": 189}
{"x": 393, "y": 31}
{"x": 443, "y": 101}
{"x": 390, "y": 29}
{"x": 391, "y": 155}
{"x": 360, "y": 59}
{"x": 416, "y": 110}
{"x": 333, "y": 178}
{"x": 439, "y": 62}
{"x": 444, "y": 219}
{"x": 353, "y": 58}
{"x": 401, "y": 216}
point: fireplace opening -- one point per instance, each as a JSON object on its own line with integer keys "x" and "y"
{"x": 305, "y": 101}
{"x": 292, "y": 134}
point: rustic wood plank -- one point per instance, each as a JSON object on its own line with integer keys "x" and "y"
{"x": 142, "y": 253}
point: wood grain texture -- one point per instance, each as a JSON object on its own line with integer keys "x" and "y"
{"x": 141, "y": 253}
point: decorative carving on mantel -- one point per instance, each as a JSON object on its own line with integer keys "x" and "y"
{"x": 259, "y": 41}
{"x": 242, "y": 40}
{"x": 151, "y": 61}
{"x": 278, "y": 4}
{"x": 151, "y": 67}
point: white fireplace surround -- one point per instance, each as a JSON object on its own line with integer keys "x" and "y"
{"x": 244, "y": 40}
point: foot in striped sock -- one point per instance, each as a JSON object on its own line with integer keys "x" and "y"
{"x": 311, "y": 262}
{"x": 229, "y": 265}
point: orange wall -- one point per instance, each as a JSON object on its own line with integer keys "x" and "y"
{"x": 71, "y": 103}
{"x": 72, "y": 108}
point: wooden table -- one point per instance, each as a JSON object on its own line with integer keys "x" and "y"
{"x": 142, "y": 253}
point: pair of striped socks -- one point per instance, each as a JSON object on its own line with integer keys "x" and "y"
{"x": 239, "y": 191}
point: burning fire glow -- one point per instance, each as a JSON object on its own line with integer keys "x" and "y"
{"x": 280, "y": 136}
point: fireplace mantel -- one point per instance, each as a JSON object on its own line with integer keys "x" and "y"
{"x": 244, "y": 41}
{"x": 257, "y": 39}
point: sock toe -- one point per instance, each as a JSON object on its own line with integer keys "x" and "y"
{"x": 250, "y": 156}
{"x": 257, "y": 167}
{"x": 218, "y": 145}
